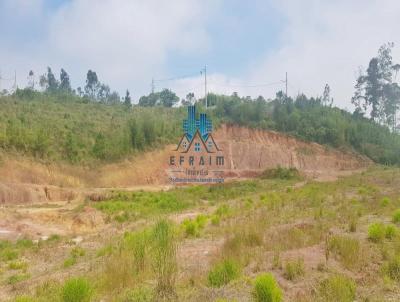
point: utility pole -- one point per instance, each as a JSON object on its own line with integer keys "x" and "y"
{"x": 205, "y": 86}
{"x": 152, "y": 85}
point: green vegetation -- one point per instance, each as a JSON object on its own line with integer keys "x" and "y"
{"x": 396, "y": 216}
{"x": 193, "y": 227}
{"x": 294, "y": 269}
{"x": 337, "y": 289}
{"x": 281, "y": 173}
{"x": 165, "y": 262}
{"x": 376, "y": 232}
{"x": 347, "y": 249}
{"x": 223, "y": 272}
{"x": 76, "y": 290}
{"x": 266, "y": 289}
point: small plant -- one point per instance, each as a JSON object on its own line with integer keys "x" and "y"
{"x": 77, "y": 252}
{"x": 294, "y": 269}
{"x": 138, "y": 243}
{"x": 141, "y": 294}
{"x": 18, "y": 265}
{"x": 8, "y": 254}
{"x": 224, "y": 272}
{"x": 24, "y": 299}
{"x": 346, "y": 248}
{"x": 76, "y": 290}
{"x": 17, "y": 278}
{"x": 396, "y": 216}
{"x": 390, "y": 231}
{"x": 215, "y": 220}
{"x": 266, "y": 289}
{"x": 69, "y": 262}
{"x": 385, "y": 202}
{"x": 393, "y": 268}
{"x": 353, "y": 225}
{"x": 376, "y": 232}
{"x": 276, "y": 260}
{"x": 191, "y": 228}
{"x": 164, "y": 256}
{"x": 337, "y": 288}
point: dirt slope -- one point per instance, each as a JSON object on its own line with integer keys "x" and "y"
{"x": 247, "y": 153}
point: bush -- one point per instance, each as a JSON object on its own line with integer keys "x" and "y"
{"x": 385, "y": 201}
{"x": 337, "y": 289}
{"x": 390, "y": 231}
{"x": 294, "y": 269}
{"x": 222, "y": 273}
{"x": 76, "y": 290}
{"x": 281, "y": 173}
{"x": 376, "y": 232}
{"x": 266, "y": 289}
{"x": 396, "y": 216}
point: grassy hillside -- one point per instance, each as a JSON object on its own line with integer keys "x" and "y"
{"x": 65, "y": 127}
{"x": 73, "y": 129}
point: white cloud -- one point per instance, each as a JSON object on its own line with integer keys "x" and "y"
{"x": 125, "y": 42}
{"x": 326, "y": 42}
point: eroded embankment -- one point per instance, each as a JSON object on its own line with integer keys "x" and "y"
{"x": 247, "y": 152}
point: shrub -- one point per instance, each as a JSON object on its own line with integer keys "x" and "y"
{"x": 281, "y": 173}
{"x": 347, "y": 248}
{"x": 76, "y": 290}
{"x": 337, "y": 289}
{"x": 390, "y": 231}
{"x": 376, "y": 232}
{"x": 191, "y": 228}
{"x": 266, "y": 289}
{"x": 396, "y": 216}
{"x": 385, "y": 201}
{"x": 224, "y": 272}
{"x": 165, "y": 263}
{"x": 294, "y": 269}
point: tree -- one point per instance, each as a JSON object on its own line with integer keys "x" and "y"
{"x": 65, "y": 84}
{"x": 31, "y": 80}
{"x": 168, "y": 98}
{"x": 92, "y": 84}
{"x": 49, "y": 82}
{"x": 326, "y": 97}
{"x": 376, "y": 91}
{"x": 190, "y": 99}
{"x": 127, "y": 99}
{"x": 113, "y": 98}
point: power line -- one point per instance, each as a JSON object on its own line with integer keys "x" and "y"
{"x": 248, "y": 86}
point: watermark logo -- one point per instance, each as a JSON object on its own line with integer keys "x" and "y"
{"x": 197, "y": 157}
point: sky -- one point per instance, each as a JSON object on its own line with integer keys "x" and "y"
{"x": 247, "y": 46}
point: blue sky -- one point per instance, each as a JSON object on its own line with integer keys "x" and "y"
{"x": 243, "y": 43}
